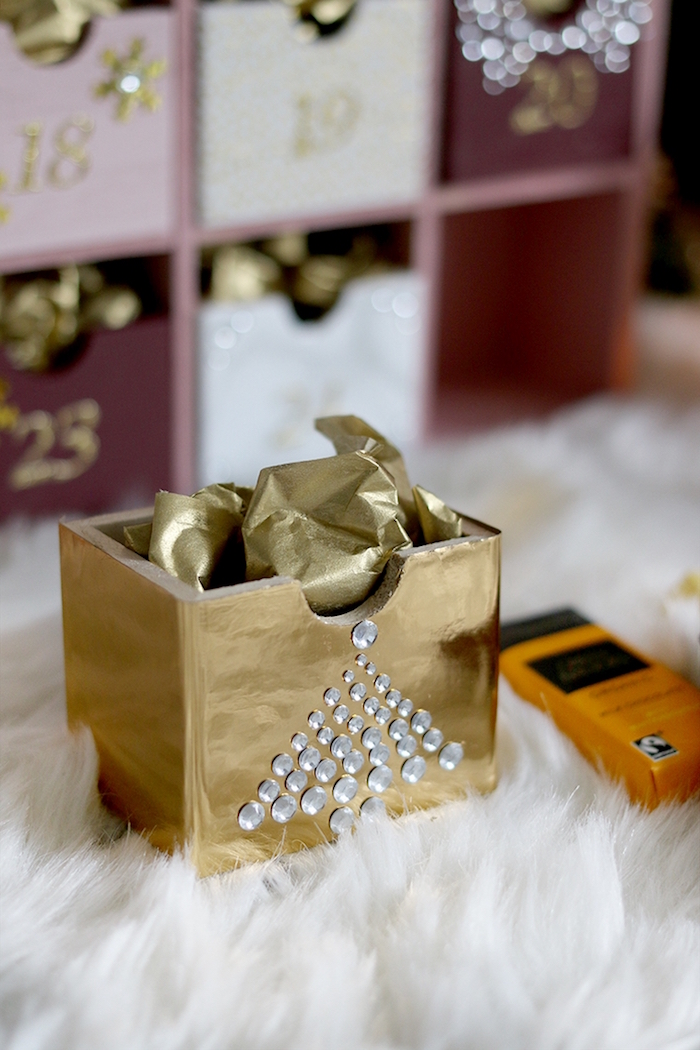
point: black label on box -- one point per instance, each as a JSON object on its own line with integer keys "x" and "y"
{"x": 655, "y": 747}
{"x": 587, "y": 665}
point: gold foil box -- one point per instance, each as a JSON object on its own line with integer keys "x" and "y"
{"x": 235, "y": 723}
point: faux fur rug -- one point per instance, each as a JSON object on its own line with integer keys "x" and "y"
{"x": 551, "y": 915}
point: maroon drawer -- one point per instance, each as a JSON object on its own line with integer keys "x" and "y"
{"x": 479, "y": 137}
{"x": 93, "y": 436}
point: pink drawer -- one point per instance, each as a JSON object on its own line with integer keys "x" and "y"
{"x": 74, "y": 174}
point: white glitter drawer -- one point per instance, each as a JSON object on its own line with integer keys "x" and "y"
{"x": 291, "y": 128}
{"x": 264, "y": 375}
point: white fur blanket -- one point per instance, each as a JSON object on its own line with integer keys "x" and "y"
{"x": 551, "y": 915}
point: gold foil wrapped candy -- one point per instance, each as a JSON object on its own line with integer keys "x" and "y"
{"x": 312, "y": 280}
{"x": 49, "y": 31}
{"x": 41, "y": 317}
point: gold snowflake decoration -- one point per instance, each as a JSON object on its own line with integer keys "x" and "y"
{"x": 131, "y": 80}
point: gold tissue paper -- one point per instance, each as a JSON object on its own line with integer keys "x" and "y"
{"x": 235, "y": 720}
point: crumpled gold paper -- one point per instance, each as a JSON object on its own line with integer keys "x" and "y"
{"x": 330, "y": 523}
{"x": 49, "y": 31}
{"x": 191, "y": 535}
{"x": 40, "y": 317}
{"x": 349, "y": 433}
{"x": 437, "y": 521}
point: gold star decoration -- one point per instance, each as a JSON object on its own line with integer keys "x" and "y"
{"x": 5, "y": 212}
{"x": 131, "y": 80}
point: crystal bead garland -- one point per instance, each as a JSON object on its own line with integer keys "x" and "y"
{"x": 506, "y": 38}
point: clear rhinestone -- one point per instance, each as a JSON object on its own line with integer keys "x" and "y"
{"x": 349, "y": 675}
{"x": 341, "y": 746}
{"x": 341, "y": 820}
{"x": 398, "y": 728}
{"x": 383, "y": 715}
{"x": 325, "y": 735}
{"x": 413, "y": 769}
{"x": 372, "y": 808}
{"x": 360, "y": 659}
{"x": 341, "y": 713}
{"x": 379, "y": 779}
{"x": 371, "y": 668}
{"x": 251, "y": 816}
{"x": 325, "y": 770}
{"x": 268, "y": 791}
{"x": 392, "y": 698}
{"x": 353, "y": 762}
{"x": 283, "y": 809}
{"x": 451, "y": 755}
{"x": 130, "y": 84}
{"x": 406, "y": 746}
{"x": 432, "y": 740}
{"x": 296, "y": 781}
{"x": 379, "y": 755}
{"x": 309, "y": 758}
{"x": 331, "y": 696}
{"x": 382, "y": 683}
{"x": 299, "y": 741}
{"x": 405, "y": 707}
{"x": 371, "y": 704}
{"x": 358, "y": 691}
{"x": 356, "y": 724}
{"x": 371, "y": 737}
{"x": 345, "y": 789}
{"x": 316, "y": 719}
{"x": 313, "y": 801}
{"x": 421, "y": 721}
{"x": 282, "y": 764}
{"x": 364, "y": 634}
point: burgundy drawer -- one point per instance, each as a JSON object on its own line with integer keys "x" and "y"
{"x": 93, "y": 436}
{"x": 479, "y": 134}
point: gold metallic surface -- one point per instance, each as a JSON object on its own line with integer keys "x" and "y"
{"x": 330, "y": 523}
{"x": 190, "y": 695}
{"x": 189, "y": 534}
{"x": 350, "y": 433}
{"x": 437, "y": 520}
{"x": 49, "y": 31}
{"x": 40, "y": 317}
{"x": 123, "y": 650}
{"x": 240, "y": 272}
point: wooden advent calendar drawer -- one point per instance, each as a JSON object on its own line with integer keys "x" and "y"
{"x": 78, "y": 168}
{"x": 91, "y": 435}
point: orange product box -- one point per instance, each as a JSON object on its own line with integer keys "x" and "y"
{"x": 623, "y": 710}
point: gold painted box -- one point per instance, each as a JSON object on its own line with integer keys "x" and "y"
{"x": 296, "y": 128}
{"x": 237, "y": 723}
